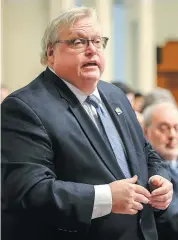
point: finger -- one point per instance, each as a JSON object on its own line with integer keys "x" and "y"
{"x": 162, "y": 198}
{"x": 156, "y": 182}
{"x": 141, "y": 198}
{"x": 161, "y": 202}
{"x": 141, "y": 190}
{"x": 137, "y": 206}
{"x": 132, "y": 180}
{"x": 160, "y": 206}
{"x": 161, "y": 190}
{"x": 132, "y": 212}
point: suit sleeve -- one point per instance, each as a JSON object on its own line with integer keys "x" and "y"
{"x": 29, "y": 182}
{"x": 156, "y": 166}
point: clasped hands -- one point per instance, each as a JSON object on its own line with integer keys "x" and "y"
{"x": 129, "y": 197}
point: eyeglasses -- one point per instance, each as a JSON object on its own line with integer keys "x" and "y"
{"x": 82, "y": 43}
{"x": 166, "y": 129}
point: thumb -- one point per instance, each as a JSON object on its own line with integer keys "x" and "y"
{"x": 133, "y": 179}
{"x": 155, "y": 182}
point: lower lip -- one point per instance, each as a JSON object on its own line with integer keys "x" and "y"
{"x": 90, "y": 68}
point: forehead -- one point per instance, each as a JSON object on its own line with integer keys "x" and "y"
{"x": 84, "y": 26}
{"x": 165, "y": 114}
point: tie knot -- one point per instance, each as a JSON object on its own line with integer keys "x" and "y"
{"x": 93, "y": 100}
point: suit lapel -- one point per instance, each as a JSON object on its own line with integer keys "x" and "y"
{"x": 88, "y": 127}
{"x": 96, "y": 140}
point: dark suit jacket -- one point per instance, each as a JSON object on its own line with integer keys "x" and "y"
{"x": 167, "y": 223}
{"x": 52, "y": 155}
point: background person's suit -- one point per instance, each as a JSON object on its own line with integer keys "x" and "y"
{"x": 46, "y": 131}
{"x": 167, "y": 223}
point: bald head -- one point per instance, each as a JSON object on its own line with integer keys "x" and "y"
{"x": 158, "y": 111}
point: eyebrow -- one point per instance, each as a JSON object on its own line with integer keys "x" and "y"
{"x": 166, "y": 124}
{"x": 79, "y": 34}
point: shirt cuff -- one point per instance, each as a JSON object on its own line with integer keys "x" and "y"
{"x": 103, "y": 201}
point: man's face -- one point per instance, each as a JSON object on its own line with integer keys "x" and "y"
{"x": 80, "y": 67}
{"x": 138, "y": 103}
{"x": 163, "y": 132}
{"x": 131, "y": 98}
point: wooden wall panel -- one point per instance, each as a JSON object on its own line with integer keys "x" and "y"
{"x": 167, "y": 69}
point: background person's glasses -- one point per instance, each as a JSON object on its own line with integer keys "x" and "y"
{"x": 166, "y": 129}
{"x": 82, "y": 43}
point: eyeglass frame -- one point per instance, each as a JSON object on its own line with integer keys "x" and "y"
{"x": 71, "y": 42}
{"x": 167, "y": 129}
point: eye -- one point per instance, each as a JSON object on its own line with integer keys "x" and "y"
{"x": 97, "y": 42}
{"x": 164, "y": 129}
{"x": 78, "y": 42}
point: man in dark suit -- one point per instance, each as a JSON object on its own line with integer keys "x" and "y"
{"x": 161, "y": 129}
{"x": 62, "y": 175}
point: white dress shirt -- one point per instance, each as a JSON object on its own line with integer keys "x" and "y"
{"x": 103, "y": 197}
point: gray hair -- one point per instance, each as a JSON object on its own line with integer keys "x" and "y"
{"x": 158, "y": 94}
{"x": 66, "y": 19}
{"x": 151, "y": 109}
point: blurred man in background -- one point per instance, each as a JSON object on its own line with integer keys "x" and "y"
{"x": 161, "y": 129}
{"x": 139, "y": 101}
{"x": 129, "y": 92}
{"x": 157, "y": 95}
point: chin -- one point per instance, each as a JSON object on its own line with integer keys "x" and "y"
{"x": 171, "y": 156}
{"x": 92, "y": 77}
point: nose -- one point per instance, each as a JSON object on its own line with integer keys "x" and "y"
{"x": 90, "y": 49}
{"x": 173, "y": 132}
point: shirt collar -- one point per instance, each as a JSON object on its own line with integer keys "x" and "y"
{"x": 174, "y": 163}
{"x": 79, "y": 94}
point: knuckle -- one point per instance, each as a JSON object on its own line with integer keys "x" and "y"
{"x": 133, "y": 212}
{"x": 167, "y": 202}
{"x": 165, "y": 197}
{"x": 131, "y": 187}
{"x": 140, "y": 206}
{"x": 131, "y": 194}
{"x": 165, "y": 205}
{"x": 129, "y": 205}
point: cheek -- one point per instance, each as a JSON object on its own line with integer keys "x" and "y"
{"x": 160, "y": 139}
{"x": 64, "y": 63}
{"x": 154, "y": 137}
{"x": 102, "y": 62}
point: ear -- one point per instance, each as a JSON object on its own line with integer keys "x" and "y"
{"x": 145, "y": 131}
{"x": 50, "y": 55}
{"x": 50, "y": 51}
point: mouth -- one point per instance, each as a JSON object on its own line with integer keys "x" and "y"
{"x": 90, "y": 64}
{"x": 172, "y": 145}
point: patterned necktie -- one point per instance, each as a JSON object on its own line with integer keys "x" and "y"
{"x": 112, "y": 134}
